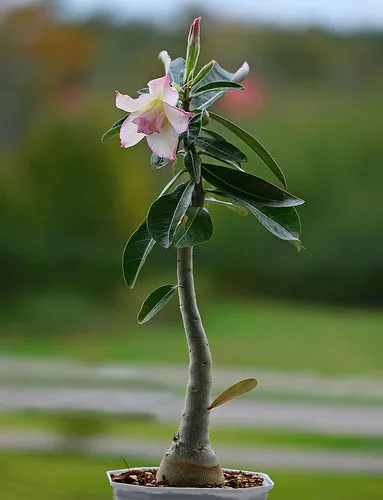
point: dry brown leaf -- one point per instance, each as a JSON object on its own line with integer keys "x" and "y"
{"x": 234, "y": 391}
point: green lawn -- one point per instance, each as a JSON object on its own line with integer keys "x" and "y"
{"x": 58, "y": 477}
{"x": 146, "y": 429}
{"x": 266, "y": 335}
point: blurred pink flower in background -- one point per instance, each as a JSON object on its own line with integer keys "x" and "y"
{"x": 248, "y": 102}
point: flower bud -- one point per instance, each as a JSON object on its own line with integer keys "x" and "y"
{"x": 193, "y": 49}
{"x": 194, "y": 32}
{"x": 205, "y": 117}
{"x": 203, "y": 72}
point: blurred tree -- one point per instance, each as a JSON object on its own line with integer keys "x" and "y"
{"x": 64, "y": 211}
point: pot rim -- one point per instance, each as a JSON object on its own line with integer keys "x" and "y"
{"x": 267, "y": 486}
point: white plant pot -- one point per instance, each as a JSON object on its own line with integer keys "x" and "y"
{"x": 123, "y": 491}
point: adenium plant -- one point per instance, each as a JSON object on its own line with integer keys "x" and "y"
{"x": 172, "y": 114}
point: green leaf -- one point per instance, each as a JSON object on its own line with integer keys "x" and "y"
{"x": 217, "y": 74}
{"x": 134, "y": 256}
{"x": 255, "y": 145}
{"x": 176, "y": 70}
{"x": 192, "y": 162}
{"x": 171, "y": 182}
{"x": 140, "y": 244}
{"x": 282, "y": 222}
{"x": 226, "y": 162}
{"x": 248, "y": 187}
{"x": 145, "y": 90}
{"x": 208, "y": 87}
{"x": 155, "y": 302}
{"x": 221, "y": 149}
{"x": 157, "y": 162}
{"x": 213, "y": 133}
{"x": 114, "y": 129}
{"x": 166, "y": 213}
{"x": 234, "y": 391}
{"x": 194, "y": 128}
{"x": 240, "y": 209}
{"x": 204, "y": 71}
{"x": 197, "y": 229}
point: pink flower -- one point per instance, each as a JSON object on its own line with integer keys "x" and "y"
{"x": 155, "y": 116}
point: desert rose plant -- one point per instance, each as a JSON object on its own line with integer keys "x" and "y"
{"x": 171, "y": 113}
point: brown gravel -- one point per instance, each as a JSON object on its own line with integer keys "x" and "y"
{"x": 147, "y": 477}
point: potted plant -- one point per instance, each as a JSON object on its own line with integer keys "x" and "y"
{"x": 171, "y": 113}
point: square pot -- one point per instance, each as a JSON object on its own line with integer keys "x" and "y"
{"x": 123, "y": 491}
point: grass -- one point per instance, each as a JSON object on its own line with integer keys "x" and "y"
{"x": 266, "y": 335}
{"x": 66, "y": 477}
{"x": 146, "y": 429}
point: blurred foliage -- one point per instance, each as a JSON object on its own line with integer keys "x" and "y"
{"x": 289, "y": 337}
{"x": 68, "y": 203}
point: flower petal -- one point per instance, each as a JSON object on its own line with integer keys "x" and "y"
{"x": 152, "y": 119}
{"x": 178, "y": 118}
{"x": 164, "y": 144}
{"x": 162, "y": 89}
{"x": 127, "y": 103}
{"x": 128, "y": 132}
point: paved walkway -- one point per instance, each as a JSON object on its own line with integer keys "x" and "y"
{"x": 174, "y": 376}
{"x": 321, "y": 413}
{"x": 259, "y": 458}
{"x": 166, "y": 407}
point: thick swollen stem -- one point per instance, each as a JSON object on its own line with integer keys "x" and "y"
{"x": 190, "y": 460}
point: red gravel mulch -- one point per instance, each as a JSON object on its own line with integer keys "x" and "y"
{"x": 147, "y": 477}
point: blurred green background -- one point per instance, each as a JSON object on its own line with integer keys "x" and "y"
{"x": 68, "y": 203}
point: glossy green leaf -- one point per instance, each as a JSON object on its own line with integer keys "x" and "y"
{"x": 114, "y": 129}
{"x": 213, "y": 133}
{"x": 192, "y": 162}
{"x": 176, "y": 70}
{"x": 282, "y": 222}
{"x": 240, "y": 209}
{"x": 217, "y": 86}
{"x": 234, "y": 391}
{"x": 198, "y": 228}
{"x": 194, "y": 129}
{"x": 255, "y": 145}
{"x": 204, "y": 71}
{"x": 157, "y": 162}
{"x": 220, "y": 137}
{"x": 134, "y": 256}
{"x": 171, "y": 182}
{"x": 155, "y": 302}
{"x": 166, "y": 213}
{"x": 248, "y": 187}
{"x": 217, "y": 74}
{"x": 221, "y": 149}
{"x": 232, "y": 164}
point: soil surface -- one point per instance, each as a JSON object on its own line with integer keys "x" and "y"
{"x": 147, "y": 477}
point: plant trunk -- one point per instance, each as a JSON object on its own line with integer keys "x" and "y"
{"x": 190, "y": 460}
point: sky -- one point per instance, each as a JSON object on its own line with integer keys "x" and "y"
{"x": 333, "y": 14}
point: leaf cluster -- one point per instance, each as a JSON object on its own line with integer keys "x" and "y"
{"x": 180, "y": 216}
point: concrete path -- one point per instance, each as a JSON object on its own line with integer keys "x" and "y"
{"x": 166, "y": 407}
{"x": 175, "y": 376}
{"x": 258, "y": 459}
